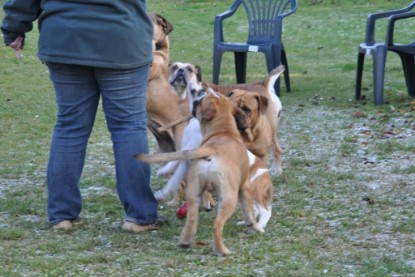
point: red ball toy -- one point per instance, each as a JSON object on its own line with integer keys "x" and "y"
{"x": 182, "y": 211}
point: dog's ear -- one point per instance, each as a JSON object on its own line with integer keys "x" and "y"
{"x": 262, "y": 103}
{"x": 198, "y": 73}
{"x": 209, "y": 111}
{"x": 167, "y": 26}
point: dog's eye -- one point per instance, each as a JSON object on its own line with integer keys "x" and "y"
{"x": 246, "y": 109}
{"x": 189, "y": 69}
{"x": 174, "y": 67}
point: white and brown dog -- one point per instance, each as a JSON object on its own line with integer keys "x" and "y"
{"x": 191, "y": 139}
{"x": 221, "y": 163}
{"x": 261, "y": 189}
{"x": 181, "y": 74}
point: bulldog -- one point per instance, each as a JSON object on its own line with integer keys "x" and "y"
{"x": 181, "y": 74}
{"x": 221, "y": 163}
{"x": 256, "y": 131}
{"x": 163, "y": 103}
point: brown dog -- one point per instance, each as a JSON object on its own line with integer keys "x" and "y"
{"x": 257, "y": 131}
{"x": 272, "y": 113}
{"x": 220, "y": 164}
{"x": 163, "y": 103}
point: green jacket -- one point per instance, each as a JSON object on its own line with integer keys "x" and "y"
{"x": 100, "y": 33}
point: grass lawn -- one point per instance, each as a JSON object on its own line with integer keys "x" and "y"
{"x": 344, "y": 205}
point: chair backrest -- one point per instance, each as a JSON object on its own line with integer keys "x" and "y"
{"x": 265, "y": 17}
{"x": 371, "y": 20}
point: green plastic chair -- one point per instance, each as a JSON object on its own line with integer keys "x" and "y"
{"x": 265, "y": 35}
{"x": 379, "y": 51}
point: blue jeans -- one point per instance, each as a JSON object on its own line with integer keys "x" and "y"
{"x": 78, "y": 90}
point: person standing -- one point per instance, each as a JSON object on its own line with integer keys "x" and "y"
{"x": 93, "y": 49}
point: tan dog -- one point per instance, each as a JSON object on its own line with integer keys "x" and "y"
{"x": 163, "y": 104}
{"x": 220, "y": 164}
{"x": 257, "y": 131}
{"x": 272, "y": 113}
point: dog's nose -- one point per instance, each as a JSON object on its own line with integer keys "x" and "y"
{"x": 181, "y": 70}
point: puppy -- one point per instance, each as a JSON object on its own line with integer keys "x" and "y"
{"x": 163, "y": 103}
{"x": 221, "y": 163}
{"x": 260, "y": 189}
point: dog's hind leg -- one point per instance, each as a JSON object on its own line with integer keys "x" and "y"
{"x": 193, "y": 192}
{"x": 226, "y": 209}
{"x": 168, "y": 168}
{"x": 264, "y": 215}
{"x": 248, "y": 209}
{"x": 276, "y": 167}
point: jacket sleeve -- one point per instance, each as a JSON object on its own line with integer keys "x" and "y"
{"x": 19, "y": 18}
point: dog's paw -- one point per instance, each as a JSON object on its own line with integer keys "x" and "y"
{"x": 159, "y": 195}
{"x": 173, "y": 203}
{"x": 275, "y": 170}
{"x": 258, "y": 229}
{"x": 254, "y": 228}
{"x": 184, "y": 245}
{"x": 222, "y": 252}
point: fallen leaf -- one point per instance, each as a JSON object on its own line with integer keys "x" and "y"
{"x": 358, "y": 114}
{"x": 201, "y": 243}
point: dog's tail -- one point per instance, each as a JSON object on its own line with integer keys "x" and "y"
{"x": 198, "y": 153}
{"x": 270, "y": 82}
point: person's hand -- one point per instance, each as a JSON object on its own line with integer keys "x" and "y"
{"x": 17, "y": 46}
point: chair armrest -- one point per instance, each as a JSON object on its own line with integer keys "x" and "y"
{"x": 391, "y": 25}
{"x": 218, "y": 25}
{"x": 291, "y": 10}
{"x": 371, "y": 20}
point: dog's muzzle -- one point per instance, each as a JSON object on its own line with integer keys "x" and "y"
{"x": 179, "y": 78}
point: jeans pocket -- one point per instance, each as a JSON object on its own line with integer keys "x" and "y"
{"x": 65, "y": 69}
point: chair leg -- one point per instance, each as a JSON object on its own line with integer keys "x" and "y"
{"x": 217, "y": 59}
{"x": 408, "y": 64}
{"x": 359, "y": 73}
{"x": 286, "y": 72}
{"x": 379, "y": 60}
{"x": 240, "y": 67}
